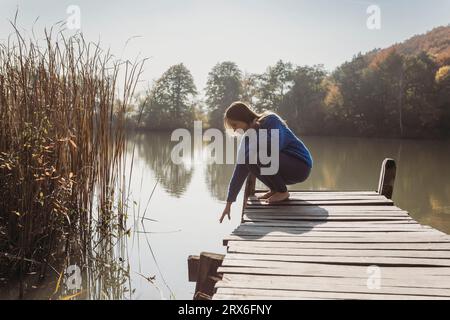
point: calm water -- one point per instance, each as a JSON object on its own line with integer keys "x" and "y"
{"x": 188, "y": 199}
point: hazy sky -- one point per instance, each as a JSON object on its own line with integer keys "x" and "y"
{"x": 254, "y": 34}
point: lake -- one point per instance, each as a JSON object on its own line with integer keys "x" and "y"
{"x": 181, "y": 204}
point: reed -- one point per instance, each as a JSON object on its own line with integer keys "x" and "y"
{"x": 63, "y": 108}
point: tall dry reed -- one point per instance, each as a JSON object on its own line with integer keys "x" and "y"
{"x": 62, "y": 138}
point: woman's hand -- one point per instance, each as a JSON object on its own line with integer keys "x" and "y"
{"x": 226, "y": 212}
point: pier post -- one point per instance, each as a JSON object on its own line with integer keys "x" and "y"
{"x": 248, "y": 191}
{"x": 387, "y": 178}
{"x": 203, "y": 270}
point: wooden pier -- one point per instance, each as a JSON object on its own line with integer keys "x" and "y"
{"x": 331, "y": 245}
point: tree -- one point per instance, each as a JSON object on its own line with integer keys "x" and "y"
{"x": 222, "y": 88}
{"x": 443, "y": 98}
{"x": 273, "y": 85}
{"x": 170, "y": 102}
{"x": 422, "y": 113}
{"x": 349, "y": 78}
{"x": 303, "y": 104}
{"x": 249, "y": 86}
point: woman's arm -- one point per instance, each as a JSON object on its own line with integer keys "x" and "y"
{"x": 226, "y": 212}
{"x": 239, "y": 175}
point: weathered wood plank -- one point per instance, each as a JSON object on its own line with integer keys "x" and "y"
{"x": 324, "y": 196}
{"x": 337, "y": 224}
{"x": 320, "y": 220}
{"x": 360, "y": 260}
{"x": 321, "y": 192}
{"x": 328, "y": 270}
{"x": 245, "y": 293}
{"x": 342, "y": 245}
{"x": 342, "y": 252}
{"x": 363, "y": 208}
{"x": 328, "y": 233}
{"x": 276, "y": 215}
{"x": 383, "y": 202}
{"x": 256, "y": 217}
{"x": 318, "y": 228}
{"x": 218, "y": 296}
{"x": 341, "y": 227}
{"x": 272, "y": 215}
{"x": 392, "y": 239}
{"x": 332, "y": 287}
{"x": 419, "y": 282}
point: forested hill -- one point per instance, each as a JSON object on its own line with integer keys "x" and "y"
{"x": 435, "y": 42}
{"x": 399, "y": 91}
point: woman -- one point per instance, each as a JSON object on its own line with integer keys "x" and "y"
{"x": 295, "y": 161}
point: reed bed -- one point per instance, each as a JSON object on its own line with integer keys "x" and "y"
{"x": 62, "y": 181}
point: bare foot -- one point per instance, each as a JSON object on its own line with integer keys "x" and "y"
{"x": 266, "y": 195}
{"x": 278, "y": 197}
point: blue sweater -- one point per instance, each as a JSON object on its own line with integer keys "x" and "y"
{"x": 289, "y": 143}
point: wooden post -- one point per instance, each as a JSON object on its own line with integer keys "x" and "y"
{"x": 249, "y": 191}
{"x": 207, "y": 275}
{"x": 387, "y": 178}
{"x": 193, "y": 262}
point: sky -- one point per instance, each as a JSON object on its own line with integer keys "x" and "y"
{"x": 254, "y": 34}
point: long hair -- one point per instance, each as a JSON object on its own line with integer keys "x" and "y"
{"x": 240, "y": 111}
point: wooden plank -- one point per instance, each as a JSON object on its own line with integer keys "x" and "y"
{"x": 350, "y": 208}
{"x": 241, "y": 293}
{"x": 294, "y": 213}
{"x": 375, "y": 223}
{"x": 324, "y": 210}
{"x": 256, "y": 217}
{"x": 275, "y": 214}
{"x": 319, "y": 228}
{"x": 333, "y": 287}
{"x": 253, "y": 297}
{"x": 341, "y": 226}
{"x": 396, "y": 239}
{"x": 337, "y": 224}
{"x": 317, "y": 209}
{"x": 342, "y": 252}
{"x": 384, "y": 202}
{"x": 332, "y": 273}
{"x": 341, "y": 245}
{"x": 288, "y": 232}
{"x": 325, "y": 196}
{"x": 328, "y": 270}
{"x": 360, "y": 260}
{"x": 321, "y": 192}
{"x": 413, "y": 282}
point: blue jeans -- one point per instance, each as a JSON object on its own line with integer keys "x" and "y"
{"x": 291, "y": 170}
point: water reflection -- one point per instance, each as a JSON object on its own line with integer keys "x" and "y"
{"x": 217, "y": 178}
{"x": 155, "y": 149}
